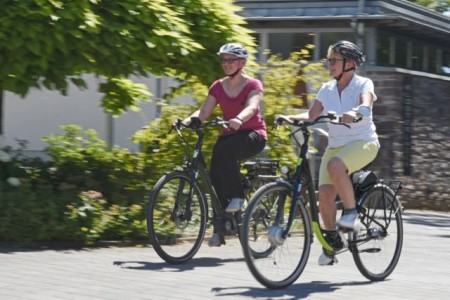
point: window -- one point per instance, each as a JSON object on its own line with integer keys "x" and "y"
{"x": 417, "y": 56}
{"x": 285, "y": 43}
{"x": 401, "y": 52}
{"x": 384, "y": 48}
{"x": 445, "y": 69}
{"x": 258, "y": 54}
{"x": 432, "y": 59}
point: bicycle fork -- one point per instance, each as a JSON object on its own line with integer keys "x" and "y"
{"x": 276, "y": 233}
{"x": 186, "y": 215}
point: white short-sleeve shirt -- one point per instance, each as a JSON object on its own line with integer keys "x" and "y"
{"x": 328, "y": 95}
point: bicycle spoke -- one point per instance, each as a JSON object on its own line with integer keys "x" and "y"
{"x": 274, "y": 260}
{"x": 176, "y": 218}
{"x": 378, "y": 245}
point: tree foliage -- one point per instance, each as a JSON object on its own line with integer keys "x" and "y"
{"x": 49, "y": 43}
{"x": 86, "y": 192}
{"x": 437, "y": 5}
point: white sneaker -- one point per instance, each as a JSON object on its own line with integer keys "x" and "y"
{"x": 216, "y": 240}
{"x": 235, "y": 205}
{"x": 349, "y": 221}
{"x": 326, "y": 260}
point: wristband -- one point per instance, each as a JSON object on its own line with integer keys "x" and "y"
{"x": 239, "y": 119}
{"x": 364, "y": 111}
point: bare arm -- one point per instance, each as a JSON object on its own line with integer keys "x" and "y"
{"x": 311, "y": 114}
{"x": 251, "y": 107}
{"x": 204, "y": 111}
{"x": 365, "y": 99}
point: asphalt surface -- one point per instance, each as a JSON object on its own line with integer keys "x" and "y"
{"x": 423, "y": 272}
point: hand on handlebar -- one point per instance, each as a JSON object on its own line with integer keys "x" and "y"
{"x": 191, "y": 122}
{"x": 350, "y": 117}
{"x": 234, "y": 123}
{"x": 280, "y": 119}
{"x": 194, "y": 123}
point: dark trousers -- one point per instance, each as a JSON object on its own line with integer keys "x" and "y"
{"x": 227, "y": 154}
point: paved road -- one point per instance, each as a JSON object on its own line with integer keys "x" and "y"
{"x": 221, "y": 273}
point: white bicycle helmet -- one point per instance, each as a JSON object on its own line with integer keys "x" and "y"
{"x": 235, "y": 49}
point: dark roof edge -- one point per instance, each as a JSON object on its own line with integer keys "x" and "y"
{"x": 443, "y": 29}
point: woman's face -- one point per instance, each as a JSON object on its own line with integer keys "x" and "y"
{"x": 231, "y": 63}
{"x": 335, "y": 63}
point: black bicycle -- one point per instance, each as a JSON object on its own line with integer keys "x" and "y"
{"x": 282, "y": 218}
{"x": 177, "y": 212}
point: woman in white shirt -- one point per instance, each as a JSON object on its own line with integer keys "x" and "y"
{"x": 349, "y": 150}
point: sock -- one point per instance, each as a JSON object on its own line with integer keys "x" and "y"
{"x": 350, "y": 211}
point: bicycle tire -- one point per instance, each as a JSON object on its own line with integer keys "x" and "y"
{"x": 378, "y": 245}
{"x": 175, "y": 237}
{"x": 279, "y": 261}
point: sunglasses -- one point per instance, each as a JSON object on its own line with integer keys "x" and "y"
{"x": 229, "y": 60}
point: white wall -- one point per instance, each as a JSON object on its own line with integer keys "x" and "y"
{"x": 42, "y": 112}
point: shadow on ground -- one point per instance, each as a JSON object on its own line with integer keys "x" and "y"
{"x": 431, "y": 219}
{"x": 295, "y": 291}
{"x": 194, "y": 263}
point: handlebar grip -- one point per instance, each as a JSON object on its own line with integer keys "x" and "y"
{"x": 282, "y": 119}
{"x": 279, "y": 121}
{"x": 195, "y": 123}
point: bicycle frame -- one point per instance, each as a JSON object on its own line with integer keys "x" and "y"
{"x": 303, "y": 171}
{"x": 178, "y": 214}
{"x": 195, "y": 166}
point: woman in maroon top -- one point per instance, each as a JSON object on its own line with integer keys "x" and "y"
{"x": 239, "y": 97}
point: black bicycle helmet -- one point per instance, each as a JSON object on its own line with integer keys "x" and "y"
{"x": 235, "y": 49}
{"x": 350, "y": 51}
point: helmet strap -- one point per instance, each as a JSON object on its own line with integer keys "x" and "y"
{"x": 344, "y": 70}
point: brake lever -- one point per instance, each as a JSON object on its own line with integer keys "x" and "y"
{"x": 175, "y": 125}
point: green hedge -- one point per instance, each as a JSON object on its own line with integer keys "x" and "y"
{"x": 87, "y": 193}
{"x": 83, "y": 194}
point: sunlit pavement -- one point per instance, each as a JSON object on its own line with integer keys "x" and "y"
{"x": 221, "y": 273}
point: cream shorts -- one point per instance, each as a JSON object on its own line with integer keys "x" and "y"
{"x": 355, "y": 155}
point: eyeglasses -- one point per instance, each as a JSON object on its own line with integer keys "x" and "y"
{"x": 333, "y": 61}
{"x": 229, "y": 60}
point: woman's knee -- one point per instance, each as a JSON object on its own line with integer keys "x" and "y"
{"x": 336, "y": 166}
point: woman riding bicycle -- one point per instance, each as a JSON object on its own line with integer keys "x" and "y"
{"x": 349, "y": 149}
{"x": 239, "y": 97}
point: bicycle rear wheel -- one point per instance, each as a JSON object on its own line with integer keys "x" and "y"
{"x": 275, "y": 261}
{"x": 378, "y": 245}
{"x": 176, "y": 226}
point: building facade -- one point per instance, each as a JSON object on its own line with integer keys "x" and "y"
{"x": 408, "y": 51}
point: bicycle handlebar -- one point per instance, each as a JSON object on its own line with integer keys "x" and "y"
{"x": 197, "y": 125}
{"x": 330, "y": 117}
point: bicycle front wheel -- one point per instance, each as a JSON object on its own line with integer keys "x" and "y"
{"x": 379, "y": 243}
{"x": 276, "y": 261}
{"x": 176, "y": 218}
